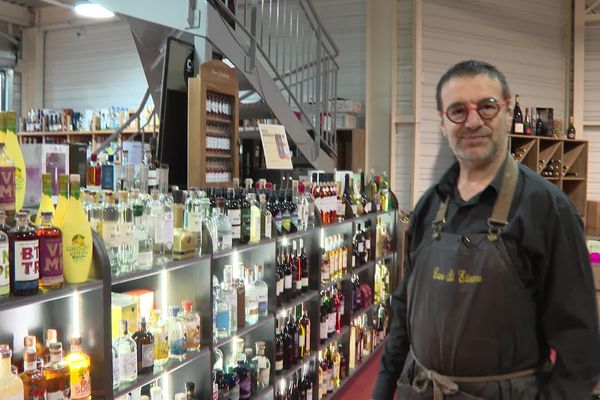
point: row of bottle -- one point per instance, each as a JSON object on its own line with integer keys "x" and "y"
{"x": 333, "y": 309}
{"x": 155, "y": 392}
{"x": 533, "y": 124}
{"x": 292, "y": 339}
{"x": 334, "y": 259}
{"x": 45, "y": 374}
{"x": 242, "y": 297}
{"x": 292, "y": 272}
{"x": 154, "y": 343}
{"x": 332, "y": 369}
{"x": 367, "y": 333}
{"x": 298, "y": 387}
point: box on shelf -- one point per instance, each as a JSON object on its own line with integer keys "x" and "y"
{"x": 78, "y": 160}
{"x": 144, "y": 299}
{"x": 345, "y": 121}
{"x": 39, "y": 159}
{"x": 348, "y": 106}
{"x": 125, "y": 307}
{"x": 592, "y": 226}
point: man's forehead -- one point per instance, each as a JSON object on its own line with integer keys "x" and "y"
{"x": 470, "y": 88}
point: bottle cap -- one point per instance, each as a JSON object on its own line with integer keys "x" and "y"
{"x": 29, "y": 342}
{"x": 187, "y": 305}
{"x": 189, "y": 386}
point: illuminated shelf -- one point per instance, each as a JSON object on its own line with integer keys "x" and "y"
{"x": 244, "y": 331}
{"x": 172, "y": 266}
{"x": 304, "y": 297}
{"x": 243, "y": 248}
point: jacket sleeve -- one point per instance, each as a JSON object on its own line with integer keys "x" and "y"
{"x": 569, "y": 314}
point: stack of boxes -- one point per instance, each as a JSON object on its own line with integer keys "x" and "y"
{"x": 347, "y": 112}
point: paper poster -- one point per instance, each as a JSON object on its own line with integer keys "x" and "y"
{"x": 275, "y": 146}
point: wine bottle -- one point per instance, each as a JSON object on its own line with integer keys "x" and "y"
{"x": 540, "y": 129}
{"x": 517, "y": 122}
{"x": 571, "y": 130}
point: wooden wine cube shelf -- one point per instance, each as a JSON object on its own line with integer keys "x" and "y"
{"x": 559, "y": 160}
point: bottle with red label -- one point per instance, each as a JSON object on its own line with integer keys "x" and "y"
{"x": 7, "y": 182}
{"x": 24, "y": 258}
{"x": 51, "y": 260}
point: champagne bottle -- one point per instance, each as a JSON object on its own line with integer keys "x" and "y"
{"x": 571, "y": 130}
{"x": 517, "y": 122}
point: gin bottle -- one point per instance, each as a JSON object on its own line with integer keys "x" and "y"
{"x": 177, "y": 340}
{"x": 126, "y": 232}
{"x": 142, "y": 245}
{"x": 193, "y": 217}
{"x": 262, "y": 291}
{"x": 24, "y": 258}
{"x": 160, "y": 218}
{"x": 252, "y": 296}
{"x": 266, "y": 222}
{"x": 230, "y": 294}
{"x": 191, "y": 321}
{"x": 110, "y": 232}
{"x": 223, "y": 227}
{"x": 127, "y": 354}
{"x": 221, "y": 314}
{"x": 262, "y": 366}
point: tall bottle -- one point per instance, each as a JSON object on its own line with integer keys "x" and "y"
{"x": 305, "y": 322}
{"x": 11, "y": 387}
{"x": 184, "y": 241}
{"x": 58, "y": 376}
{"x": 24, "y": 258}
{"x": 7, "y": 182}
{"x": 223, "y": 225}
{"x": 143, "y": 244}
{"x": 222, "y": 311}
{"x": 111, "y": 235}
{"x": 34, "y": 381}
{"x": 4, "y": 260}
{"x": 144, "y": 341}
{"x": 517, "y": 122}
{"x": 234, "y": 215}
{"x": 191, "y": 321}
{"x": 251, "y": 298}
{"x": 540, "y": 128}
{"x": 79, "y": 368}
{"x": 230, "y": 294}
{"x": 266, "y": 221}
{"x": 160, "y": 218}
{"x": 254, "y": 233}
{"x": 51, "y": 260}
{"x": 127, "y": 354}
{"x": 571, "y": 129}
{"x": 262, "y": 289}
{"x": 193, "y": 218}
{"x": 262, "y": 366}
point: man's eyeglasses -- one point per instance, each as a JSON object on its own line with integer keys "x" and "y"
{"x": 486, "y": 108}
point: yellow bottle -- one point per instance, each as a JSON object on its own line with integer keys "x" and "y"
{"x": 11, "y": 386}
{"x": 13, "y": 150}
{"x": 7, "y": 182}
{"x": 46, "y": 203}
{"x": 79, "y": 366}
{"x": 76, "y": 238}
{"x": 63, "y": 200}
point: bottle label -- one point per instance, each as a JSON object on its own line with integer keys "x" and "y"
{"x": 299, "y": 284}
{"x": 254, "y": 224}
{"x": 301, "y": 339}
{"x": 361, "y": 247}
{"x": 264, "y": 374}
{"x": 51, "y": 260}
{"x": 222, "y": 320}
{"x": 110, "y": 234}
{"x": 27, "y": 264}
{"x": 288, "y": 282}
{"x": 263, "y": 308}
{"x": 152, "y": 178}
{"x": 323, "y": 330}
{"x": 344, "y": 260}
{"x": 234, "y": 216}
{"x": 279, "y": 365}
{"x": 518, "y": 127}
{"x": 280, "y": 286}
{"x": 268, "y": 226}
{"x": 168, "y": 227}
{"x": 353, "y": 260}
{"x": 286, "y": 223}
{"x": 368, "y": 244}
{"x": 194, "y": 221}
{"x": 7, "y": 188}
{"x": 125, "y": 233}
{"x": 236, "y": 231}
{"x": 147, "y": 355}
{"x": 226, "y": 241}
{"x": 58, "y": 395}
{"x": 144, "y": 258}
{"x": 127, "y": 365}
{"x": 81, "y": 386}
{"x": 262, "y": 362}
{"x": 305, "y": 281}
{"x": 4, "y": 266}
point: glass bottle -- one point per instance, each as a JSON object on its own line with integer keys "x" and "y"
{"x": 301, "y": 338}
{"x": 223, "y": 225}
{"x": 255, "y": 219}
{"x": 279, "y": 348}
{"x": 262, "y": 290}
{"x": 159, "y": 330}
{"x": 24, "y": 258}
{"x": 287, "y": 279}
{"x": 240, "y": 287}
{"x": 50, "y": 242}
{"x": 143, "y": 244}
{"x": 336, "y": 359}
{"x": 58, "y": 377}
{"x": 177, "y": 341}
{"x": 7, "y": 182}
{"x": 230, "y": 295}
{"x": 296, "y": 270}
{"x": 266, "y": 221}
{"x": 191, "y": 320}
{"x": 262, "y": 366}
{"x": 4, "y": 260}
{"x": 127, "y": 353}
{"x": 234, "y": 215}
{"x": 303, "y": 262}
{"x": 193, "y": 218}
{"x": 221, "y": 314}
{"x": 34, "y": 381}
{"x": 110, "y": 232}
{"x": 184, "y": 241}
{"x": 251, "y": 298}
{"x": 286, "y": 215}
{"x": 51, "y": 337}
{"x": 245, "y": 218}
{"x": 144, "y": 341}
{"x": 325, "y": 264}
{"x": 11, "y": 387}
{"x": 160, "y": 224}
{"x": 305, "y": 322}
{"x": 115, "y": 367}
{"x": 571, "y": 129}
{"x": 79, "y": 367}
{"x": 189, "y": 391}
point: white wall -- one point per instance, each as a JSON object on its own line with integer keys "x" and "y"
{"x": 591, "y": 105}
{"x": 92, "y": 67}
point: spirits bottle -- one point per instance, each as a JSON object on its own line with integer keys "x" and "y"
{"x": 184, "y": 241}
{"x": 251, "y": 298}
{"x": 251, "y": 368}
{"x": 110, "y": 232}
{"x": 286, "y": 216}
{"x": 384, "y": 190}
{"x": 223, "y": 226}
{"x": 240, "y": 288}
{"x": 279, "y": 348}
{"x": 262, "y": 366}
{"x": 244, "y": 376}
{"x": 336, "y": 359}
{"x": 230, "y": 295}
{"x": 50, "y": 337}
{"x": 93, "y": 176}
{"x": 276, "y": 211}
{"x": 34, "y": 381}
{"x": 177, "y": 340}
{"x": 325, "y": 264}
{"x": 193, "y": 218}
{"x": 234, "y": 216}
{"x": 4, "y": 260}
{"x": 262, "y": 290}
{"x": 159, "y": 331}
{"x": 245, "y": 218}
{"x": 79, "y": 368}
{"x": 156, "y": 217}
{"x": 191, "y": 320}
{"x": 144, "y": 341}
{"x": 57, "y": 373}
{"x": 266, "y": 222}
{"x": 356, "y": 194}
{"x": 301, "y": 337}
{"x": 24, "y": 258}
{"x": 125, "y": 221}
{"x": 280, "y": 279}
{"x": 11, "y": 387}
{"x": 51, "y": 260}
{"x": 189, "y": 391}
{"x": 255, "y": 219}
{"x": 540, "y": 128}
{"x": 221, "y": 318}
{"x": 287, "y": 279}
{"x": 7, "y": 182}
{"x": 142, "y": 245}
{"x": 296, "y": 271}
{"x": 127, "y": 353}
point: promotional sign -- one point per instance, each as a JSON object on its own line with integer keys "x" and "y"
{"x": 275, "y": 145}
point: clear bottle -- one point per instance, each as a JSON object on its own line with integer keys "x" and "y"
{"x": 115, "y": 367}
{"x": 262, "y": 366}
{"x": 159, "y": 330}
{"x": 266, "y": 222}
{"x": 110, "y": 232}
{"x": 51, "y": 262}
{"x": 24, "y": 258}
{"x": 223, "y": 226}
{"x": 191, "y": 320}
{"x": 177, "y": 341}
{"x": 262, "y": 290}
{"x": 7, "y": 182}
{"x": 222, "y": 319}
{"x": 251, "y": 299}
{"x": 193, "y": 217}
{"x": 127, "y": 252}
{"x": 4, "y": 261}
{"x": 127, "y": 353}
{"x": 11, "y": 387}
{"x": 230, "y": 294}
{"x": 255, "y": 218}
{"x": 79, "y": 367}
{"x": 34, "y": 381}
{"x": 143, "y": 245}
{"x": 57, "y": 373}
{"x": 160, "y": 218}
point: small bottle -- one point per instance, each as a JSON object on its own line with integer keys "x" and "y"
{"x": 79, "y": 367}
{"x": 145, "y": 348}
{"x": 24, "y": 258}
{"x": 177, "y": 341}
{"x": 34, "y": 381}
{"x": 7, "y": 182}
{"x": 51, "y": 337}
{"x": 156, "y": 393}
{"x": 262, "y": 366}
{"x": 4, "y": 261}
{"x": 58, "y": 377}
{"x": 11, "y": 387}
{"x": 571, "y": 129}
{"x": 191, "y": 320}
{"x": 51, "y": 260}
{"x": 127, "y": 353}
{"x": 159, "y": 330}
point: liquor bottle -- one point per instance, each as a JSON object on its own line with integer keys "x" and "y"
{"x": 24, "y": 258}
{"x": 296, "y": 271}
{"x": 305, "y": 322}
{"x": 93, "y": 175}
{"x": 288, "y": 345}
{"x": 50, "y": 243}
{"x": 51, "y": 337}
{"x": 288, "y": 279}
{"x": 184, "y": 241}
{"x": 384, "y": 190}
{"x": 336, "y": 359}
{"x": 144, "y": 341}
{"x": 262, "y": 366}
{"x": 571, "y": 129}
{"x": 127, "y": 354}
{"x": 266, "y": 221}
{"x": 343, "y": 363}
{"x": 295, "y": 206}
{"x": 11, "y": 387}
{"x": 34, "y": 381}
{"x": 347, "y": 196}
{"x": 57, "y": 373}
{"x": 517, "y": 122}
{"x": 304, "y": 268}
{"x": 262, "y": 290}
{"x": 276, "y": 211}
{"x": 193, "y": 217}
{"x": 527, "y": 123}
{"x": 108, "y": 174}
{"x": 159, "y": 331}
{"x": 221, "y": 314}
{"x": 255, "y": 219}
{"x": 110, "y": 232}
{"x": 125, "y": 221}
{"x": 176, "y": 335}
{"x": 191, "y": 320}
{"x": 46, "y": 203}
{"x": 325, "y": 279}
{"x": 279, "y": 348}
{"x": 234, "y": 216}
{"x": 223, "y": 225}
{"x": 367, "y": 241}
{"x": 245, "y": 218}
{"x": 251, "y": 367}
{"x": 79, "y": 369}
{"x": 143, "y": 245}
{"x": 286, "y": 216}
{"x": 4, "y": 260}
{"x": 294, "y": 330}
{"x": 230, "y": 295}
{"x": 358, "y": 247}
{"x": 244, "y": 376}
{"x": 308, "y": 386}
{"x": 240, "y": 288}
{"x": 323, "y": 325}
{"x": 280, "y": 280}
{"x": 162, "y": 234}
{"x": 540, "y": 128}
{"x": 7, "y": 182}
{"x": 190, "y": 389}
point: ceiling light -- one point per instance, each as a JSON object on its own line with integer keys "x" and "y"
{"x": 90, "y": 10}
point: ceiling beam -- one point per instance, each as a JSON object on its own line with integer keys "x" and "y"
{"x": 15, "y": 14}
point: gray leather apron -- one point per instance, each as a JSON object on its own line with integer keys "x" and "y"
{"x": 470, "y": 320}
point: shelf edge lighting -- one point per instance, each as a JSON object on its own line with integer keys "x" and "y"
{"x": 89, "y": 10}
{"x": 75, "y": 316}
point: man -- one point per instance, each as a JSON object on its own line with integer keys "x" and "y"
{"x": 498, "y": 271}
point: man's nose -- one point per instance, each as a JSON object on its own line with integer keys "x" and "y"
{"x": 473, "y": 121}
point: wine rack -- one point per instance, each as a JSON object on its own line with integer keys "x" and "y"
{"x": 561, "y": 161}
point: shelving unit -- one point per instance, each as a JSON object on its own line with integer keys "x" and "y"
{"x": 188, "y": 279}
{"x": 536, "y": 152}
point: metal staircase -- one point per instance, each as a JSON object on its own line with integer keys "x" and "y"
{"x": 281, "y": 50}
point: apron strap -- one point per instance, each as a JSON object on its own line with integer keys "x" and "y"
{"x": 499, "y": 218}
{"x": 440, "y": 219}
